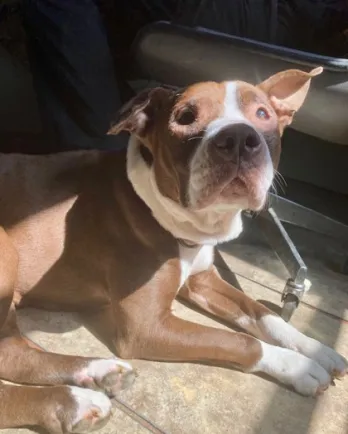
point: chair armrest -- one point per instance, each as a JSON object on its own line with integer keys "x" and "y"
{"x": 178, "y": 56}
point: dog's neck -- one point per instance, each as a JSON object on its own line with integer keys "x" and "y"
{"x": 200, "y": 227}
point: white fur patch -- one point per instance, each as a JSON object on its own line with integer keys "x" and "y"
{"x": 99, "y": 368}
{"x": 291, "y": 368}
{"x": 280, "y": 331}
{"x": 195, "y": 260}
{"x": 202, "y": 227}
{"x": 107, "y": 375}
{"x": 246, "y": 322}
{"x": 87, "y": 400}
{"x": 287, "y": 336}
{"x": 232, "y": 113}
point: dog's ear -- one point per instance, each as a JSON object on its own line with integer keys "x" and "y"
{"x": 138, "y": 114}
{"x": 287, "y": 91}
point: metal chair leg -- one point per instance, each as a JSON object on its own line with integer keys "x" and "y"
{"x": 277, "y": 237}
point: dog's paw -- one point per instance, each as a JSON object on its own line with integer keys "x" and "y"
{"x": 335, "y": 364}
{"x": 108, "y": 375}
{"x": 305, "y": 375}
{"x": 91, "y": 410}
{"x": 285, "y": 335}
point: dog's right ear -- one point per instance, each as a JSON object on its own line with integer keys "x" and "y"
{"x": 139, "y": 113}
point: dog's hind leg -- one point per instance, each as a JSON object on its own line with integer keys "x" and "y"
{"x": 59, "y": 409}
{"x": 65, "y": 407}
{"x": 24, "y": 364}
{"x": 68, "y": 406}
{"x": 8, "y": 274}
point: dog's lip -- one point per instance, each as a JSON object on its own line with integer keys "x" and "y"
{"x": 210, "y": 199}
{"x": 236, "y": 181}
{"x": 236, "y": 184}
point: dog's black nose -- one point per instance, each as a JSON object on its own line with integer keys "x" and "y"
{"x": 236, "y": 140}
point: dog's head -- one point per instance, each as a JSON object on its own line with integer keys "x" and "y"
{"x": 216, "y": 144}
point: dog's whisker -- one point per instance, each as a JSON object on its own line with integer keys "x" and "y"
{"x": 280, "y": 184}
{"x": 280, "y": 178}
{"x": 281, "y": 187}
{"x": 279, "y": 181}
{"x": 274, "y": 189}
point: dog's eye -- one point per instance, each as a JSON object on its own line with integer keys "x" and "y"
{"x": 262, "y": 113}
{"x": 187, "y": 116}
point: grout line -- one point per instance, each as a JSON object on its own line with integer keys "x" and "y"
{"x": 139, "y": 418}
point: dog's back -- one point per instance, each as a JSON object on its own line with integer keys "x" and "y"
{"x": 36, "y": 193}
{"x": 31, "y": 184}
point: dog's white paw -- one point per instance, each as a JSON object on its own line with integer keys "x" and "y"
{"x": 285, "y": 335}
{"x": 305, "y": 375}
{"x": 329, "y": 359}
{"x": 108, "y": 375}
{"x": 92, "y": 410}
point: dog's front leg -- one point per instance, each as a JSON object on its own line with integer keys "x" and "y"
{"x": 149, "y": 330}
{"x": 174, "y": 339}
{"x": 209, "y": 291}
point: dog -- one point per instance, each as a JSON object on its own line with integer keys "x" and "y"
{"x": 117, "y": 236}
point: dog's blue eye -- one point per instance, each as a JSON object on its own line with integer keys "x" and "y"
{"x": 261, "y": 113}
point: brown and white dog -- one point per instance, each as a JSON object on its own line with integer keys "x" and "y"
{"x": 116, "y": 236}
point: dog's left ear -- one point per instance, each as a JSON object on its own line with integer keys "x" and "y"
{"x": 138, "y": 114}
{"x": 287, "y": 91}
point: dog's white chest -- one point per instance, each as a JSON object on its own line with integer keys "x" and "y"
{"x": 194, "y": 260}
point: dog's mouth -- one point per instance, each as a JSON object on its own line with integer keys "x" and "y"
{"x": 244, "y": 191}
{"x": 236, "y": 188}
